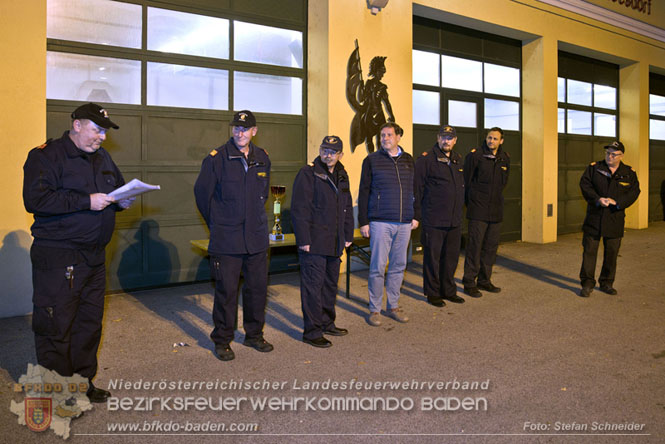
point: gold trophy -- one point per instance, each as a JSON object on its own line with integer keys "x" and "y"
{"x": 278, "y": 192}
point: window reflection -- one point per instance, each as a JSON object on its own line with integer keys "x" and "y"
{"x": 579, "y": 122}
{"x": 182, "y": 33}
{"x": 657, "y": 129}
{"x": 604, "y": 97}
{"x": 656, "y": 105}
{"x": 561, "y": 89}
{"x": 93, "y": 79}
{"x": 426, "y": 108}
{"x": 425, "y": 68}
{"x": 187, "y": 86}
{"x": 503, "y": 114}
{"x": 265, "y": 44}
{"x": 462, "y": 113}
{"x": 604, "y": 124}
{"x": 502, "y": 80}
{"x": 561, "y": 120}
{"x": 94, "y": 21}
{"x": 461, "y": 74}
{"x": 266, "y": 93}
{"x": 579, "y": 93}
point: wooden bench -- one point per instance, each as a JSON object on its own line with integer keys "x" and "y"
{"x": 357, "y": 248}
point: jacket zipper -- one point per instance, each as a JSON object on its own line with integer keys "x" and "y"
{"x": 399, "y": 180}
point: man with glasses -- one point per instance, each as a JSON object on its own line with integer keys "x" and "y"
{"x": 609, "y": 187}
{"x": 65, "y": 185}
{"x": 322, "y": 216}
{"x": 439, "y": 191}
{"x": 231, "y": 192}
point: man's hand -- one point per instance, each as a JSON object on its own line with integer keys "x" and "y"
{"x": 304, "y": 248}
{"x": 126, "y": 203}
{"x": 606, "y": 201}
{"x": 347, "y": 244}
{"x": 99, "y": 201}
{"x": 414, "y": 224}
{"x": 364, "y": 231}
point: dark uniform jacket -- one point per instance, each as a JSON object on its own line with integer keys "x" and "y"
{"x": 485, "y": 176}
{"x": 622, "y": 186}
{"x": 57, "y": 183}
{"x": 439, "y": 188}
{"x": 386, "y": 188}
{"x": 321, "y": 208}
{"x": 231, "y": 193}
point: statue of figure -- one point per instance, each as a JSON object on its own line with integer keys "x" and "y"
{"x": 368, "y": 100}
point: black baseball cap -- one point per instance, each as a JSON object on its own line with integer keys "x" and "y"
{"x": 332, "y": 143}
{"x": 243, "y": 118}
{"x": 616, "y": 145}
{"x": 447, "y": 131}
{"x": 95, "y": 113}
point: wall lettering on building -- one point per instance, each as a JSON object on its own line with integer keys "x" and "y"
{"x": 643, "y": 6}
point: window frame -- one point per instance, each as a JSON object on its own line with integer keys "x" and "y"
{"x": 481, "y": 95}
{"x": 566, "y": 106}
{"x": 144, "y": 56}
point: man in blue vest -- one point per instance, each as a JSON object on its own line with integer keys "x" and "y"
{"x": 231, "y": 192}
{"x": 386, "y": 216}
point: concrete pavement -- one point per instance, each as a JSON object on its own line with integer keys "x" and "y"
{"x": 529, "y": 362}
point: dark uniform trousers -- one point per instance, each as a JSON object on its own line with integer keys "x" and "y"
{"x": 441, "y": 248}
{"x": 67, "y": 317}
{"x": 480, "y": 252}
{"x": 610, "y": 253}
{"x": 226, "y": 270}
{"x": 318, "y": 291}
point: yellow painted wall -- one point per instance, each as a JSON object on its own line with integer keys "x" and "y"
{"x": 22, "y": 126}
{"x": 387, "y": 34}
{"x": 634, "y": 129}
{"x": 540, "y": 140}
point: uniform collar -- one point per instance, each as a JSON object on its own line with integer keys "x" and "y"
{"x": 235, "y": 153}
{"x": 438, "y": 152}
{"x": 322, "y": 168}
{"x": 488, "y": 151}
{"x": 72, "y": 150}
{"x": 603, "y": 165}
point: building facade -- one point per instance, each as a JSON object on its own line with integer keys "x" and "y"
{"x": 562, "y": 77}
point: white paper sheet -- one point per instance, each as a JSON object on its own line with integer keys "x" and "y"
{"x": 132, "y": 188}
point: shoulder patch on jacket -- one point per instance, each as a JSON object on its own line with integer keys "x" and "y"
{"x": 631, "y": 169}
{"x": 43, "y": 145}
{"x": 213, "y": 153}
